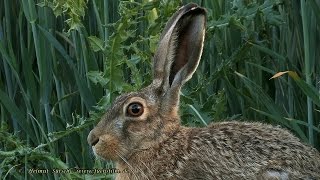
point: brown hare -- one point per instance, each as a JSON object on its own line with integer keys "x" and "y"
{"x": 142, "y": 133}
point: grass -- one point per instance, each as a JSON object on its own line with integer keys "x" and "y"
{"x": 63, "y": 62}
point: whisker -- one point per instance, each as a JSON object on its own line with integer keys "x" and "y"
{"x": 131, "y": 168}
{"x": 149, "y": 170}
{"x": 129, "y": 165}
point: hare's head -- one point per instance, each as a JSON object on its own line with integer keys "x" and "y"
{"x": 140, "y": 120}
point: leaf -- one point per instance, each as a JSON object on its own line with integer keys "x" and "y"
{"x": 236, "y": 23}
{"x": 264, "y": 99}
{"x": 96, "y": 44}
{"x": 198, "y": 114}
{"x": 268, "y": 51}
{"x": 309, "y": 90}
{"x": 316, "y": 8}
{"x": 279, "y": 74}
{"x": 97, "y": 77}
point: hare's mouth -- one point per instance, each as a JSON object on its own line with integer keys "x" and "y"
{"x": 107, "y": 147}
{"x": 100, "y": 152}
{"x": 95, "y": 153}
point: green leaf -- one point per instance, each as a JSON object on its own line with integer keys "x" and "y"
{"x": 236, "y": 23}
{"x": 268, "y": 51}
{"x": 96, "y": 44}
{"x": 98, "y": 78}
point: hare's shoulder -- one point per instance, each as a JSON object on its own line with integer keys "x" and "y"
{"x": 253, "y": 148}
{"x": 246, "y": 136}
{"x": 248, "y": 142}
{"x": 254, "y": 130}
{"x": 242, "y": 131}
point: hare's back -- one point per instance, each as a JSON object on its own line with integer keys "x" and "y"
{"x": 238, "y": 149}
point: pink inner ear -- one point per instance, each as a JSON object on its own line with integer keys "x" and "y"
{"x": 180, "y": 56}
{"x": 187, "y": 41}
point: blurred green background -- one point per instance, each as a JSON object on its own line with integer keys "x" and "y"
{"x": 62, "y": 62}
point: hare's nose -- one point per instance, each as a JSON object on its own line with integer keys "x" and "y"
{"x": 92, "y": 139}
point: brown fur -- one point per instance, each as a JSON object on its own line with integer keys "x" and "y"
{"x": 226, "y": 151}
{"x": 155, "y": 146}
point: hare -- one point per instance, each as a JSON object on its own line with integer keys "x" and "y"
{"x": 142, "y": 134}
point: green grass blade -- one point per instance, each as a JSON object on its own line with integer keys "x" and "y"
{"x": 17, "y": 114}
{"x": 85, "y": 93}
{"x": 306, "y": 42}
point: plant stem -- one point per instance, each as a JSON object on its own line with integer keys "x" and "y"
{"x": 306, "y": 42}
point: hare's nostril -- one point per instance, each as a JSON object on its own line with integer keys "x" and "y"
{"x": 94, "y": 142}
{"x": 92, "y": 139}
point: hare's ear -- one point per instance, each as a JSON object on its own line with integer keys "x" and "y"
{"x": 179, "y": 51}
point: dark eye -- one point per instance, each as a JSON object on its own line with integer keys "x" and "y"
{"x": 135, "y": 109}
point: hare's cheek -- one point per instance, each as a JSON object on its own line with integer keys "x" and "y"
{"x": 107, "y": 147}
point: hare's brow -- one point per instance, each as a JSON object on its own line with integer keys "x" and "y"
{"x": 113, "y": 111}
{"x": 123, "y": 97}
{"x": 120, "y": 100}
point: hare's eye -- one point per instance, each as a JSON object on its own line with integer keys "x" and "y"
{"x": 135, "y": 109}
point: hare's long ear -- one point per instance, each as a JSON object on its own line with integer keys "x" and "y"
{"x": 179, "y": 52}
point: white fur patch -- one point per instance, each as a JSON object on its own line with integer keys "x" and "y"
{"x": 277, "y": 174}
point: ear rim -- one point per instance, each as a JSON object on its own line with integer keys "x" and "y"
{"x": 187, "y": 70}
{"x": 176, "y": 16}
